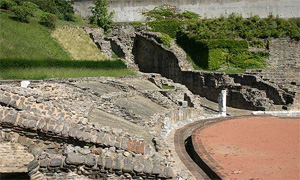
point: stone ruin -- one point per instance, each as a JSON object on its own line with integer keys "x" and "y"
{"x": 93, "y": 127}
{"x": 121, "y": 128}
{"x": 253, "y": 91}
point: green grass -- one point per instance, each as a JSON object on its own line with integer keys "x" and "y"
{"x": 43, "y": 69}
{"x": 27, "y": 51}
{"x": 45, "y": 73}
{"x": 27, "y": 40}
{"x": 168, "y": 87}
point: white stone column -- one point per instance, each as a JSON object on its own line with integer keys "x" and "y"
{"x": 24, "y": 84}
{"x": 222, "y": 103}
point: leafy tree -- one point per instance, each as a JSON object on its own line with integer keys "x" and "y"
{"x": 101, "y": 16}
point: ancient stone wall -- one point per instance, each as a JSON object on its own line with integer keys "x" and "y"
{"x": 284, "y": 53}
{"x": 244, "y": 91}
{"x": 131, "y": 10}
{"x": 52, "y": 123}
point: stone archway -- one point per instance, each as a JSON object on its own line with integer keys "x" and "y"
{"x": 14, "y": 160}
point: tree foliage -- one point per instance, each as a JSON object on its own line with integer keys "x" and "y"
{"x": 101, "y": 16}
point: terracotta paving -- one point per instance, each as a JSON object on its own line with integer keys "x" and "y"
{"x": 260, "y": 148}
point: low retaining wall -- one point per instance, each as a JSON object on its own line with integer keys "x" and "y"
{"x": 131, "y": 10}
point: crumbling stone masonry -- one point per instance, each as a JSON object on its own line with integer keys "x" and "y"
{"x": 244, "y": 91}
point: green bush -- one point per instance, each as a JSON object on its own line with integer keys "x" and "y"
{"x": 216, "y": 58}
{"x": 211, "y": 54}
{"x": 169, "y": 27}
{"x": 22, "y": 13}
{"x": 7, "y": 4}
{"x": 190, "y": 15}
{"x": 248, "y": 60}
{"x": 61, "y": 8}
{"x": 69, "y": 17}
{"x": 31, "y": 7}
{"x": 161, "y": 12}
{"x": 257, "y": 43}
{"x": 254, "y": 27}
{"x": 165, "y": 39}
{"x": 48, "y": 20}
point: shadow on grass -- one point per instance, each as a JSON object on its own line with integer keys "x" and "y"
{"x": 49, "y": 63}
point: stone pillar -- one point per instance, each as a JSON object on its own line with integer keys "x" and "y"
{"x": 222, "y": 103}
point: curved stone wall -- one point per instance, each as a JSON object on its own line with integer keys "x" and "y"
{"x": 131, "y": 10}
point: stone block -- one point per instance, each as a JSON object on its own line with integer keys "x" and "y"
{"x": 58, "y": 128}
{"x": 65, "y": 130}
{"x": 147, "y": 167}
{"x": 138, "y": 167}
{"x": 33, "y": 165}
{"x": 134, "y": 145}
{"x": 141, "y": 148}
{"x": 156, "y": 168}
{"x": 111, "y": 140}
{"x": 55, "y": 162}
{"x": 96, "y": 151}
{"x": 118, "y": 164}
{"x": 128, "y": 165}
{"x": 9, "y": 120}
{"x": 44, "y": 163}
{"x": 90, "y": 160}
{"x": 31, "y": 124}
{"x": 106, "y": 139}
{"x": 75, "y": 159}
{"x": 13, "y": 103}
{"x": 21, "y": 104}
{"x": 41, "y": 124}
{"x": 5, "y": 99}
{"x": 108, "y": 163}
{"x": 72, "y": 132}
{"x": 124, "y": 143}
{"x": 101, "y": 162}
{"x": 168, "y": 172}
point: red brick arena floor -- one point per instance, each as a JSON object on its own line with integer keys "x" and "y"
{"x": 260, "y": 148}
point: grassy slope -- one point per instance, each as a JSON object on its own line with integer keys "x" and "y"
{"x": 31, "y": 44}
{"x": 77, "y": 43}
{"x": 27, "y": 41}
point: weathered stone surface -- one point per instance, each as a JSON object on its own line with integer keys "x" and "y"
{"x": 147, "y": 167}
{"x": 31, "y": 124}
{"x": 108, "y": 163}
{"x": 44, "y": 163}
{"x": 10, "y": 120}
{"x": 96, "y": 151}
{"x": 106, "y": 139}
{"x": 138, "y": 167}
{"x": 41, "y": 124}
{"x": 65, "y": 130}
{"x": 124, "y": 143}
{"x": 90, "y": 160}
{"x": 118, "y": 164}
{"x": 32, "y": 165}
{"x": 75, "y": 159}
{"x": 156, "y": 168}
{"x": 168, "y": 172}
{"x": 55, "y": 162}
{"x": 128, "y": 165}
{"x": 101, "y": 162}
